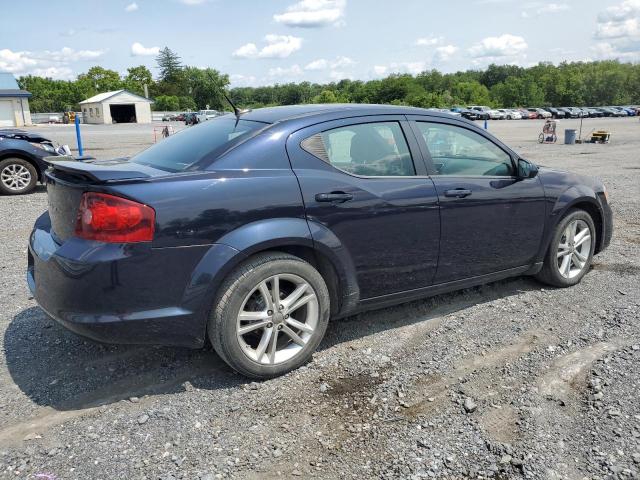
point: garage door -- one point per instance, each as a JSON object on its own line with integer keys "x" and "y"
{"x": 6, "y": 114}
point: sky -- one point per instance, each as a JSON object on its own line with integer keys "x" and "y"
{"x": 263, "y": 42}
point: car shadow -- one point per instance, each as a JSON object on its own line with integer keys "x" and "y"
{"x": 57, "y": 368}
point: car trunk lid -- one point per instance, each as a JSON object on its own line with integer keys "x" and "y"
{"x": 67, "y": 180}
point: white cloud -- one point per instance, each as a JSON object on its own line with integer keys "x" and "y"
{"x": 619, "y": 21}
{"x": 320, "y": 64}
{"x": 342, "y": 62}
{"x": 248, "y": 50}
{"x": 626, "y": 10}
{"x": 58, "y": 73}
{"x": 50, "y": 63}
{"x": 429, "y": 41}
{"x": 505, "y": 48}
{"x": 313, "y": 13}
{"x": 276, "y": 46}
{"x": 337, "y": 75}
{"x": 192, "y": 2}
{"x": 16, "y": 62}
{"x": 132, "y": 7}
{"x": 537, "y": 9}
{"x": 139, "y": 50}
{"x": 67, "y": 54}
{"x": 619, "y": 28}
{"x": 323, "y": 64}
{"x": 413, "y": 68}
{"x": 239, "y": 80}
{"x": 380, "y": 70}
{"x": 445, "y": 52}
{"x": 626, "y": 28}
{"x": 292, "y": 71}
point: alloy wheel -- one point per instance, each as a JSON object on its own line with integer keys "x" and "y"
{"x": 15, "y": 177}
{"x": 277, "y": 319}
{"x": 574, "y": 249}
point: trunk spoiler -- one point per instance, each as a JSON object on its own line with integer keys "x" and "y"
{"x": 98, "y": 171}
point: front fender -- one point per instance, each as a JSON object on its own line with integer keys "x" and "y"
{"x": 572, "y": 196}
{"x": 565, "y": 201}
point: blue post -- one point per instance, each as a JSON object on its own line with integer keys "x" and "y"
{"x": 486, "y": 124}
{"x": 78, "y": 137}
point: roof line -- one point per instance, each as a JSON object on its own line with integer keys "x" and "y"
{"x": 113, "y": 94}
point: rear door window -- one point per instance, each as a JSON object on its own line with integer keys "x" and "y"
{"x": 367, "y": 149}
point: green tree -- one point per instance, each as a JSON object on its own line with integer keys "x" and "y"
{"x": 137, "y": 78}
{"x": 470, "y": 93}
{"x": 206, "y": 86}
{"x": 99, "y": 80}
{"x": 164, "y": 103}
{"x": 187, "y": 103}
{"x": 169, "y": 65}
{"x": 326, "y": 96}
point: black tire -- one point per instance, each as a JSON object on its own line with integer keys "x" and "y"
{"x": 550, "y": 273}
{"x": 17, "y": 162}
{"x": 541, "y": 138}
{"x": 232, "y": 293}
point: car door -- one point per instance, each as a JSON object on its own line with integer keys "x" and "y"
{"x": 364, "y": 180}
{"x": 491, "y": 220}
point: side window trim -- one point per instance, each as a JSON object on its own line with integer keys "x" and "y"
{"x": 427, "y": 155}
{"x": 408, "y": 133}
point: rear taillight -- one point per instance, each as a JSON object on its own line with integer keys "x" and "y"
{"x": 108, "y": 218}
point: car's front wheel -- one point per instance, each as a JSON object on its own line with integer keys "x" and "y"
{"x": 270, "y": 315}
{"x": 571, "y": 250}
{"x": 17, "y": 176}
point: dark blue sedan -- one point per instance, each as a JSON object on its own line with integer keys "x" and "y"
{"x": 253, "y": 231}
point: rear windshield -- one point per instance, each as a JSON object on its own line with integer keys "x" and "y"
{"x": 195, "y": 145}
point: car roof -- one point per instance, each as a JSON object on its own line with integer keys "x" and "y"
{"x": 336, "y": 110}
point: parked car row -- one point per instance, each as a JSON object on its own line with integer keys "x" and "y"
{"x": 192, "y": 118}
{"x": 483, "y": 112}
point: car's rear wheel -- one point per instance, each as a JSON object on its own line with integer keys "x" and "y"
{"x": 270, "y": 315}
{"x": 17, "y": 176}
{"x": 571, "y": 250}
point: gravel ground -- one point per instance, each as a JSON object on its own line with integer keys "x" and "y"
{"x": 506, "y": 380}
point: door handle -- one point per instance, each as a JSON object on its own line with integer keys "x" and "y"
{"x": 457, "y": 192}
{"x": 334, "y": 197}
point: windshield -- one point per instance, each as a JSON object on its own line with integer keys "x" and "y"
{"x": 193, "y": 145}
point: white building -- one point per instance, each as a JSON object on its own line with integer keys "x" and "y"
{"x": 14, "y": 103}
{"x": 120, "y": 106}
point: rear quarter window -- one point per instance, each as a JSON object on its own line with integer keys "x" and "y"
{"x": 189, "y": 148}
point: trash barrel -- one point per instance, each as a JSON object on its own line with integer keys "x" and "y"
{"x": 570, "y": 136}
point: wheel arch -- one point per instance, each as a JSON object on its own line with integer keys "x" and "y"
{"x": 594, "y": 211}
{"x": 288, "y": 235}
{"x": 582, "y": 199}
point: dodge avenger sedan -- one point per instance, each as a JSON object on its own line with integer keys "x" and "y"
{"x": 252, "y": 230}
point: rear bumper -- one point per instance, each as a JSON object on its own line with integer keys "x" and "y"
{"x": 124, "y": 293}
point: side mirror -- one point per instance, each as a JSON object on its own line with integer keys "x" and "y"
{"x": 526, "y": 169}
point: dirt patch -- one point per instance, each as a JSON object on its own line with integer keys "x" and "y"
{"x": 568, "y": 373}
{"x": 428, "y": 392}
{"x": 619, "y": 268}
{"x": 357, "y": 385}
{"x": 501, "y": 424}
